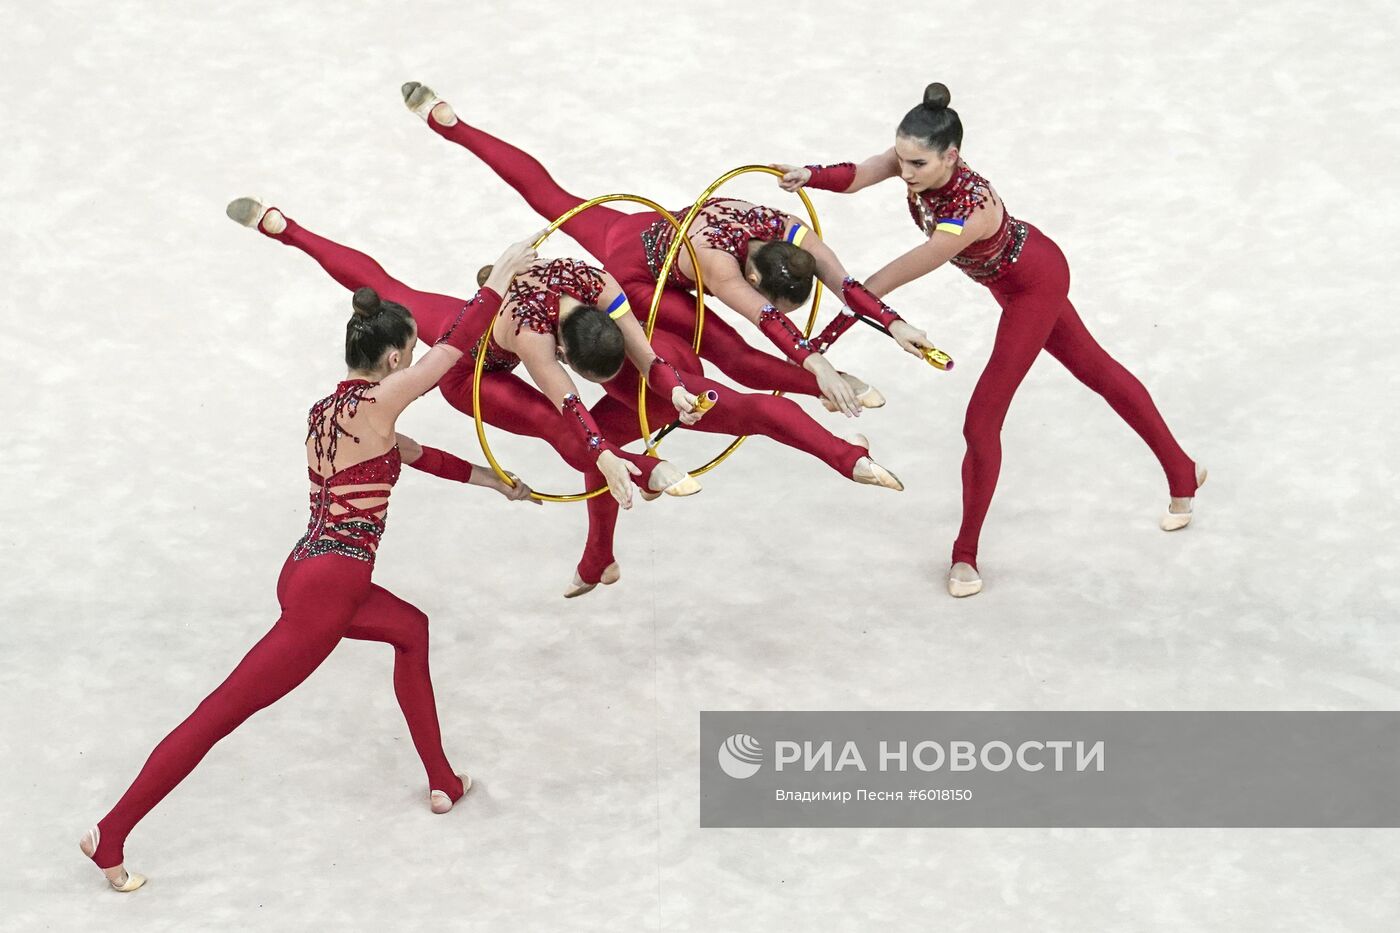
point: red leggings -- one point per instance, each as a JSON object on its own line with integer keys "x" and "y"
{"x": 615, "y": 239}
{"x": 323, "y": 600}
{"x": 509, "y": 402}
{"x": 1036, "y": 313}
{"x": 736, "y": 413}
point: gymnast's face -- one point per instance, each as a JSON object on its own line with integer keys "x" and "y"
{"x": 922, "y": 168}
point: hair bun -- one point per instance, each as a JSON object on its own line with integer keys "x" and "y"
{"x": 803, "y": 264}
{"x": 366, "y": 302}
{"x": 483, "y": 274}
{"x": 937, "y": 96}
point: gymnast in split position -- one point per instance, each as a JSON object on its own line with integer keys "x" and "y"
{"x": 757, "y": 260}
{"x": 552, "y": 314}
{"x": 967, "y": 224}
{"x": 325, "y": 590}
{"x": 534, "y": 302}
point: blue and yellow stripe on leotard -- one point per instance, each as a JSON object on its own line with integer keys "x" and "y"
{"x": 951, "y": 225}
{"x": 797, "y": 234}
{"x": 619, "y": 307}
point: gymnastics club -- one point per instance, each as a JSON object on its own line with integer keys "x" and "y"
{"x": 932, "y": 355}
{"x": 703, "y": 403}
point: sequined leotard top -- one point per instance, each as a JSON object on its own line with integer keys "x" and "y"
{"x": 534, "y": 299}
{"x": 947, "y": 208}
{"x": 349, "y": 506}
{"x": 728, "y": 226}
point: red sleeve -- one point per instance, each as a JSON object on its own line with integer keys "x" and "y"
{"x": 441, "y": 463}
{"x": 460, "y": 335}
{"x": 836, "y": 177}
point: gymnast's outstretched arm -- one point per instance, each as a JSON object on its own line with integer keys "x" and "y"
{"x": 843, "y": 177}
{"x": 661, "y": 376}
{"x": 451, "y": 467}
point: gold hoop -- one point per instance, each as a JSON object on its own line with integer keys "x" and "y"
{"x": 700, "y": 300}
{"x": 491, "y": 326}
{"x": 650, "y": 327}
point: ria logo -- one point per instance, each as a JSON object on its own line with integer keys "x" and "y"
{"x": 740, "y": 756}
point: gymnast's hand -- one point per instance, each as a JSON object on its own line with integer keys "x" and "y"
{"x": 910, "y": 338}
{"x": 794, "y": 176}
{"x": 515, "y": 260}
{"x": 618, "y": 473}
{"x": 686, "y": 406}
{"x": 517, "y": 493}
{"x": 834, "y": 387}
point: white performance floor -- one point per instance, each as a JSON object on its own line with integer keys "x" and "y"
{"x": 1222, "y": 178}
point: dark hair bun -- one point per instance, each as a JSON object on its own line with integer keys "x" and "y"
{"x": 803, "y": 264}
{"x": 483, "y": 274}
{"x": 366, "y": 302}
{"x": 937, "y": 96}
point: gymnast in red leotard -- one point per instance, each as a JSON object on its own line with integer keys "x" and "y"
{"x": 533, "y": 305}
{"x": 573, "y": 329}
{"x": 757, "y": 260}
{"x": 967, "y": 224}
{"x": 325, "y": 589}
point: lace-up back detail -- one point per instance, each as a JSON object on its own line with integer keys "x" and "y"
{"x": 348, "y": 506}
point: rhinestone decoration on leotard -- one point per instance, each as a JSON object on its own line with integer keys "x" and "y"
{"x": 533, "y": 297}
{"x": 573, "y": 406}
{"x": 769, "y": 315}
{"x": 451, "y": 331}
{"x": 535, "y": 294}
{"x": 723, "y": 224}
{"x": 355, "y": 530}
{"x": 662, "y": 361}
{"x": 345, "y": 399}
{"x": 966, "y": 192}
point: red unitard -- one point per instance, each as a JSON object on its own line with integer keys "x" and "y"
{"x": 533, "y": 299}
{"x": 620, "y": 242}
{"x": 326, "y": 594}
{"x": 1029, "y": 277}
{"x": 736, "y": 413}
{"x": 508, "y": 402}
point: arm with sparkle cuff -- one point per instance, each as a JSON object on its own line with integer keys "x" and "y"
{"x": 663, "y": 378}
{"x": 863, "y": 302}
{"x": 577, "y": 416}
{"x": 461, "y": 335}
{"x": 863, "y": 305}
{"x": 616, "y": 471}
{"x": 842, "y": 177}
{"x": 439, "y": 463}
{"x": 837, "y": 326}
{"x": 784, "y": 334}
{"x": 836, "y": 177}
{"x": 450, "y": 467}
{"x": 397, "y": 390}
